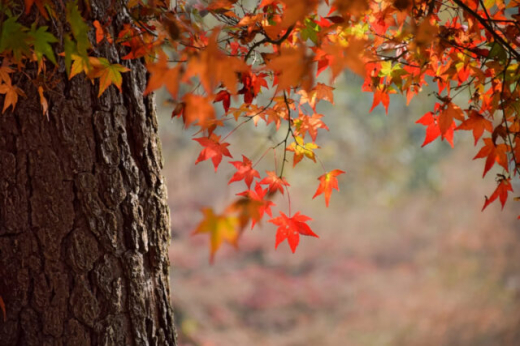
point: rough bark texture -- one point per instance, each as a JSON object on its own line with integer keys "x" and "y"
{"x": 84, "y": 223}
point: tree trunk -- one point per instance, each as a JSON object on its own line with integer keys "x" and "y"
{"x": 84, "y": 224}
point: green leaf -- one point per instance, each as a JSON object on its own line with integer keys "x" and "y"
{"x": 42, "y": 40}
{"x": 310, "y": 31}
{"x": 497, "y": 51}
{"x": 69, "y": 49}
{"x": 14, "y": 37}
{"x": 79, "y": 29}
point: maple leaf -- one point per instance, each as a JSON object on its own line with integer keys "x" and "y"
{"x": 102, "y": 33}
{"x": 221, "y": 4}
{"x": 477, "y": 123}
{"x": 328, "y": 182}
{"x": 380, "y": 96}
{"x": 14, "y": 38}
{"x": 142, "y": 44}
{"x": 300, "y": 150}
{"x": 257, "y": 205}
{"x": 5, "y": 70}
{"x": 79, "y": 28}
{"x": 310, "y": 124}
{"x": 41, "y": 4}
{"x": 274, "y": 181}
{"x": 198, "y": 109}
{"x": 81, "y": 64}
{"x": 43, "y": 102}
{"x": 225, "y": 97}
{"x": 493, "y": 154}
{"x": 42, "y": 40}
{"x": 445, "y": 120}
{"x": 245, "y": 171}
{"x": 220, "y": 228}
{"x": 161, "y": 74}
{"x": 212, "y": 67}
{"x": 11, "y": 95}
{"x": 292, "y": 68}
{"x": 318, "y": 93}
{"x": 213, "y": 150}
{"x": 432, "y": 129}
{"x": 504, "y": 185}
{"x": 290, "y": 228}
{"x": 107, "y": 73}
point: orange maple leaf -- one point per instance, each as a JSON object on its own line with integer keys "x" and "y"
{"x": 213, "y": 150}
{"x": 220, "y": 228}
{"x": 328, "y": 182}
{"x": 41, "y": 6}
{"x": 290, "y": 228}
{"x": 5, "y": 70}
{"x": 102, "y": 33}
{"x": 274, "y": 181}
{"x": 318, "y": 93}
{"x": 446, "y": 118}
{"x": 504, "y": 185}
{"x": 198, "y": 109}
{"x": 477, "y": 123}
{"x": 245, "y": 171}
{"x": 292, "y": 68}
{"x": 493, "y": 154}
{"x": 212, "y": 67}
{"x": 11, "y": 95}
{"x": 43, "y": 102}
{"x": 161, "y": 74}
{"x": 309, "y": 124}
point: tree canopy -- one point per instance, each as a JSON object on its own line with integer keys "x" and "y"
{"x": 237, "y": 62}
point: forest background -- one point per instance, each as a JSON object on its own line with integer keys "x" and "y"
{"x": 405, "y": 255}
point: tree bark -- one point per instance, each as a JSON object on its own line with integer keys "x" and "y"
{"x": 84, "y": 223}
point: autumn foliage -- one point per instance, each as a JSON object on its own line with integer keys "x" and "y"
{"x": 273, "y": 62}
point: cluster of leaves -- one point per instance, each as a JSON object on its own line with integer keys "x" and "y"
{"x": 229, "y": 53}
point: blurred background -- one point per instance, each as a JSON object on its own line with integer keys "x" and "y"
{"x": 405, "y": 255}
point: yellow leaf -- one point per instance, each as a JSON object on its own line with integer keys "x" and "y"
{"x": 220, "y": 228}
{"x": 300, "y": 150}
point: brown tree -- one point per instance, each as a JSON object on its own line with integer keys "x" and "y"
{"x": 84, "y": 224}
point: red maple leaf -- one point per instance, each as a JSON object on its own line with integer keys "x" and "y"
{"x": 380, "y": 96}
{"x": 432, "y": 129}
{"x": 328, "y": 182}
{"x": 290, "y": 228}
{"x": 493, "y": 153}
{"x": 245, "y": 171}
{"x": 213, "y": 149}
{"x": 504, "y": 185}
{"x": 225, "y": 97}
{"x": 274, "y": 182}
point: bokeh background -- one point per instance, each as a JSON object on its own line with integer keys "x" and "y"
{"x": 405, "y": 255}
